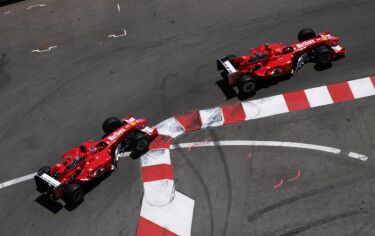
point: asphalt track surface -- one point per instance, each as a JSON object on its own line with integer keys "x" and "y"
{"x": 165, "y": 65}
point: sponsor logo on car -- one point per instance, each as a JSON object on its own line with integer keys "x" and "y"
{"x": 49, "y": 180}
{"x": 77, "y": 160}
{"x": 116, "y": 134}
{"x": 259, "y": 56}
{"x": 305, "y": 44}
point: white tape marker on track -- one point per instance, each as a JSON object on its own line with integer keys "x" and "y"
{"x": 119, "y": 35}
{"x": 37, "y": 5}
{"x": 44, "y": 50}
{"x": 307, "y": 146}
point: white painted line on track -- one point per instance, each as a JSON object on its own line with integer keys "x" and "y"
{"x": 44, "y": 50}
{"x": 6, "y": 13}
{"x": 357, "y": 156}
{"x": 37, "y": 5}
{"x": 206, "y": 143}
{"x": 307, "y": 146}
{"x": 117, "y": 36}
{"x": 118, "y": 7}
{"x": 17, "y": 180}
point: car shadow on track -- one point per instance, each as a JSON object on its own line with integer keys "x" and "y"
{"x": 322, "y": 67}
{"x": 230, "y": 92}
{"x": 55, "y": 206}
{"x": 51, "y": 205}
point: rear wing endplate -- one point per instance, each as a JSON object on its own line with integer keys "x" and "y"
{"x": 225, "y": 64}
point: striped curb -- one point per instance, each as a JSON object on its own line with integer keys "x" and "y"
{"x": 168, "y": 212}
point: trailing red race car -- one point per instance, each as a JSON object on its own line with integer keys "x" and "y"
{"x": 92, "y": 159}
{"x": 275, "y": 60}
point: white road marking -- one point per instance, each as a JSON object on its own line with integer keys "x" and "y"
{"x": 37, "y": 5}
{"x": 6, "y": 13}
{"x": 17, "y": 180}
{"x": 358, "y": 156}
{"x": 206, "y": 143}
{"x": 117, "y": 36}
{"x": 259, "y": 143}
{"x": 44, "y": 50}
{"x": 118, "y": 7}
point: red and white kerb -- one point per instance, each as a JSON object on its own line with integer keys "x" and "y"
{"x": 166, "y": 212}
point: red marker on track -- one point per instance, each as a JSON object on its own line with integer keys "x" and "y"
{"x": 279, "y": 184}
{"x": 296, "y": 177}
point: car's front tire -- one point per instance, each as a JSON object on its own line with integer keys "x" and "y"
{"x": 111, "y": 124}
{"x": 306, "y": 34}
{"x": 140, "y": 143}
{"x": 323, "y": 56}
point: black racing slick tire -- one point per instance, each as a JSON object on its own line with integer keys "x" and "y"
{"x": 73, "y": 194}
{"x": 44, "y": 170}
{"x": 111, "y": 124}
{"x": 323, "y": 56}
{"x": 246, "y": 85}
{"x": 140, "y": 143}
{"x": 305, "y": 34}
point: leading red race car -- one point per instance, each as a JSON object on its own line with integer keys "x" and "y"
{"x": 275, "y": 60}
{"x": 92, "y": 159}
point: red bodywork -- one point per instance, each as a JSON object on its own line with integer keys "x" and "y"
{"x": 92, "y": 159}
{"x": 272, "y": 60}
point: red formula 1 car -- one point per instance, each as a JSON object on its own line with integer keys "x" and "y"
{"x": 275, "y": 60}
{"x": 92, "y": 159}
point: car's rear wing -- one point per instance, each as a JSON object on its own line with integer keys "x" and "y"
{"x": 47, "y": 184}
{"x": 225, "y": 64}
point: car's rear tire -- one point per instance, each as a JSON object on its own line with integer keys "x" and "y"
{"x": 246, "y": 85}
{"x": 111, "y": 124}
{"x": 73, "y": 194}
{"x": 44, "y": 170}
{"x": 140, "y": 143}
{"x": 306, "y": 34}
{"x": 323, "y": 56}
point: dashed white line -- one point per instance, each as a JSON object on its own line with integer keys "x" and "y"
{"x": 44, "y": 50}
{"x": 117, "y": 36}
{"x": 37, "y": 5}
{"x": 118, "y": 7}
{"x": 6, "y": 13}
{"x": 206, "y": 143}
